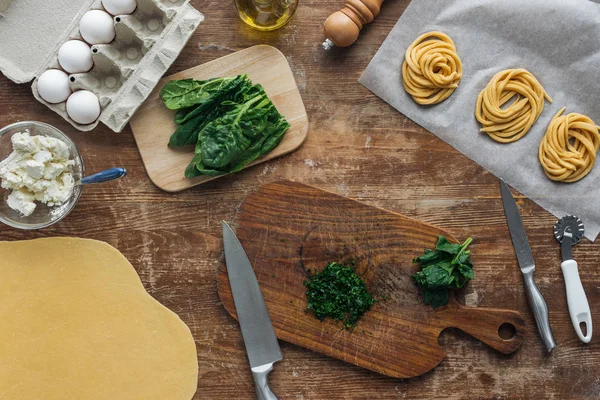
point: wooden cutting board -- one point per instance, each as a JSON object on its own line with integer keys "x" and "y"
{"x": 153, "y": 124}
{"x": 288, "y": 228}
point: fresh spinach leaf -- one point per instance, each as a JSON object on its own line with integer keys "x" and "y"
{"x": 254, "y": 121}
{"x": 232, "y": 89}
{"x": 186, "y": 134}
{"x": 249, "y": 155}
{"x": 221, "y": 142}
{"x": 231, "y": 121}
{"x": 187, "y": 92}
{"x": 181, "y": 113}
{"x": 444, "y": 245}
{"x": 191, "y": 171}
{"x": 204, "y": 170}
{"x": 196, "y": 168}
{"x": 447, "y": 267}
{"x": 274, "y": 136}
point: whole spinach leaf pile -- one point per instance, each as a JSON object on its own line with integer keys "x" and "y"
{"x": 230, "y": 121}
{"x": 447, "y": 267}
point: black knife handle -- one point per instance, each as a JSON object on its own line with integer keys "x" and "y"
{"x": 539, "y": 308}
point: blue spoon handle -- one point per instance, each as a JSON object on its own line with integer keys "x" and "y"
{"x": 104, "y": 176}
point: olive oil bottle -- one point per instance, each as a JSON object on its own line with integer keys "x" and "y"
{"x": 266, "y": 15}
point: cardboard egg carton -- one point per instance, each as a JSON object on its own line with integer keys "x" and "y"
{"x": 125, "y": 71}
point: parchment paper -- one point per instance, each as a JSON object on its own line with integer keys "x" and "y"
{"x": 558, "y": 41}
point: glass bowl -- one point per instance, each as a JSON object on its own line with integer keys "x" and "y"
{"x": 43, "y": 215}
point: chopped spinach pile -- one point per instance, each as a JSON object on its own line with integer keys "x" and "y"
{"x": 339, "y": 293}
{"x": 230, "y": 121}
{"x": 447, "y": 267}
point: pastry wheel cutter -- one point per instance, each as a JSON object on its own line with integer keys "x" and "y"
{"x": 569, "y": 231}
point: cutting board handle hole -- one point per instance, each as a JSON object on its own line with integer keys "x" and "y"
{"x": 507, "y": 331}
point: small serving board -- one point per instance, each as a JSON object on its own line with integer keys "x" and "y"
{"x": 153, "y": 123}
{"x": 288, "y": 228}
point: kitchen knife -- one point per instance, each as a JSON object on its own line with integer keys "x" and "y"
{"x": 257, "y": 330}
{"x": 525, "y": 258}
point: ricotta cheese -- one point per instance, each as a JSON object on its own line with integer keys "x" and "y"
{"x": 38, "y": 169}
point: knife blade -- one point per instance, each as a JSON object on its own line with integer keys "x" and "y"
{"x": 527, "y": 265}
{"x": 259, "y": 337}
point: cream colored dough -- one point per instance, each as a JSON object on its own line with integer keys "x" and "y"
{"x": 76, "y": 323}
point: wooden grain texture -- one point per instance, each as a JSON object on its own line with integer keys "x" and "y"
{"x": 289, "y": 229}
{"x": 359, "y": 147}
{"x": 153, "y": 124}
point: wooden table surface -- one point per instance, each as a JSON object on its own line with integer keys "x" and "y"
{"x": 360, "y": 147}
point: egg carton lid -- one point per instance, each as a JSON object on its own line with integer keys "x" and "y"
{"x": 30, "y": 31}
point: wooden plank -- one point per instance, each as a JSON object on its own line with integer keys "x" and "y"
{"x": 153, "y": 124}
{"x": 358, "y": 147}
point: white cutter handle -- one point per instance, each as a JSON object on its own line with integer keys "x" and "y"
{"x": 579, "y": 308}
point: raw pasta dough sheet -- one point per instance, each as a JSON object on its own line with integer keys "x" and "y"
{"x": 558, "y": 41}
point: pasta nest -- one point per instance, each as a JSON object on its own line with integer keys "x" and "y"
{"x": 509, "y": 124}
{"x": 568, "y": 149}
{"x": 432, "y": 68}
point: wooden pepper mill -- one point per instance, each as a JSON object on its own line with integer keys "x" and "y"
{"x": 4, "y": 4}
{"x": 343, "y": 27}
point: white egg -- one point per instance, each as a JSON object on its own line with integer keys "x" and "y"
{"x": 97, "y": 27}
{"x": 53, "y": 86}
{"x": 75, "y": 57}
{"x": 83, "y": 107}
{"x": 119, "y": 7}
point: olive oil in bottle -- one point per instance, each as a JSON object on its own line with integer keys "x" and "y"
{"x": 266, "y": 15}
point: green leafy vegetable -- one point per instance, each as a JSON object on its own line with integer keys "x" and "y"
{"x": 189, "y": 92}
{"x": 186, "y": 134}
{"x": 275, "y": 130}
{"x": 221, "y": 142}
{"x": 230, "y": 121}
{"x": 447, "y": 267}
{"x": 338, "y": 292}
{"x": 181, "y": 114}
{"x": 234, "y": 89}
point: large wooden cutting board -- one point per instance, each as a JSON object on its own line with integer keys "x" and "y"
{"x": 153, "y": 124}
{"x": 287, "y": 228}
